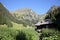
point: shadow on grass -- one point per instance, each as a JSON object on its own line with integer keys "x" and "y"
{"x": 21, "y": 36}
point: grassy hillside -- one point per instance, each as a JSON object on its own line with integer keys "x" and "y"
{"x": 6, "y": 17}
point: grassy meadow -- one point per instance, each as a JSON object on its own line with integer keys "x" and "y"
{"x": 17, "y": 32}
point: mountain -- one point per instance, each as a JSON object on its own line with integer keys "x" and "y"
{"x": 54, "y": 14}
{"x": 26, "y": 16}
{"x": 5, "y": 16}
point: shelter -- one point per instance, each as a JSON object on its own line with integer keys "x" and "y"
{"x": 44, "y": 24}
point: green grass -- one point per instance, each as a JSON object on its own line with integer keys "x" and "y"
{"x": 17, "y": 32}
{"x": 29, "y": 31}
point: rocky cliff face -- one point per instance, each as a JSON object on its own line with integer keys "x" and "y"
{"x": 27, "y": 15}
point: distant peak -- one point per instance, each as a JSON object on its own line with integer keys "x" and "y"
{"x": 28, "y": 8}
{"x": 24, "y": 9}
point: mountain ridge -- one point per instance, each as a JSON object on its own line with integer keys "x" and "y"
{"x": 25, "y": 16}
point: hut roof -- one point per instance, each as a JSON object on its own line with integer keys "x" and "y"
{"x": 47, "y": 21}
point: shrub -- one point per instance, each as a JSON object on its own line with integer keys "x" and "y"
{"x": 49, "y": 34}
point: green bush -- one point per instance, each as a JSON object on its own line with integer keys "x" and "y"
{"x": 49, "y": 34}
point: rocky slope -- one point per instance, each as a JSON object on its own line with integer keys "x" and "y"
{"x": 26, "y": 16}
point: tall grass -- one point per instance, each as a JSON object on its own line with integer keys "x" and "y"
{"x": 17, "y": 32}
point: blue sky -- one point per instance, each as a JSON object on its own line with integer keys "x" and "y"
{"x": 39, "y": 6}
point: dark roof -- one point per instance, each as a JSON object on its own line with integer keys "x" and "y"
{"x": 47, "y": 21}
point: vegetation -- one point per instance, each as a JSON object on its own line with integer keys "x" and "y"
{"x": 19, "y": 25}
{"x": 49, "y": 34}
{"x": 17, "y": 34}
{"x": 52, "y": 34}
{"x": 54, "y": 15}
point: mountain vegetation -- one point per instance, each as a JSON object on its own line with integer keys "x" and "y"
{"x": 54, "y": 14}
{"x": 4, "y": 15}
{"x": 52, "y": 34}
{"x": 18, "y": 24}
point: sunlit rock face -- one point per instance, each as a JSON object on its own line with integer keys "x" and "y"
{"x": 26, "y": 15}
